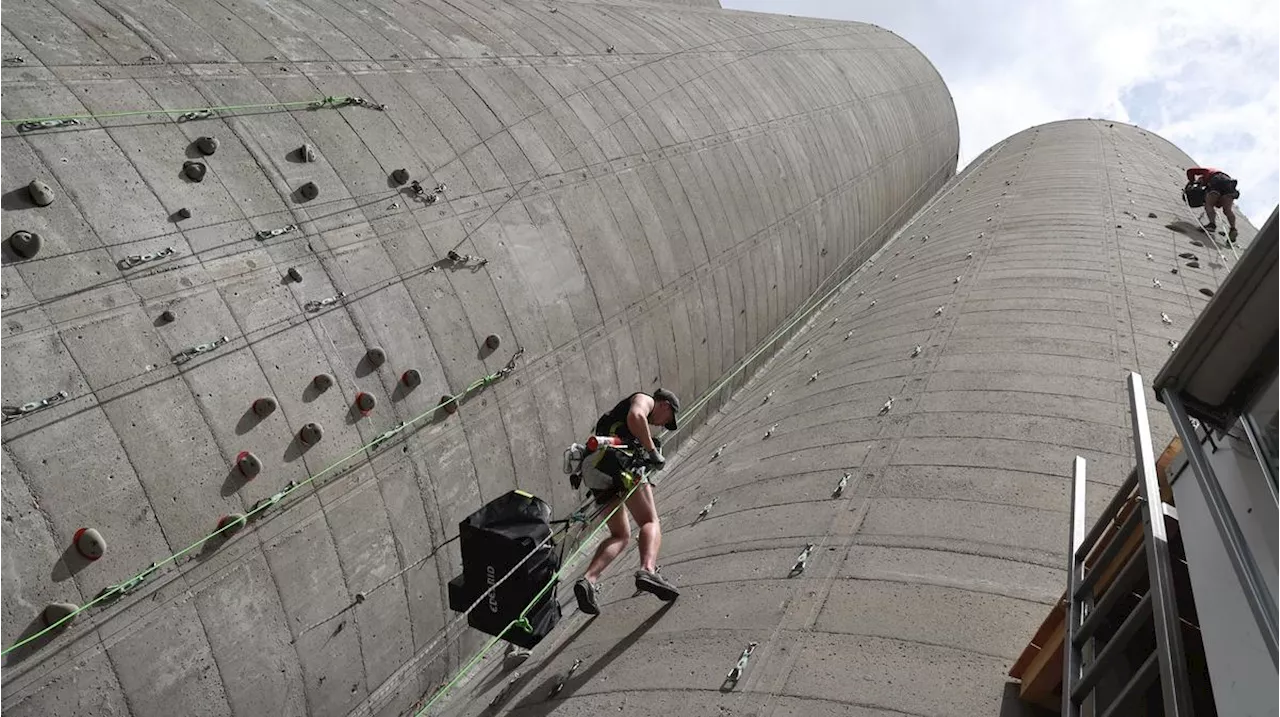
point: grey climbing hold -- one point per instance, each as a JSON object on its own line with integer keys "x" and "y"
{"x": 969, "y": 255}
{"x": 57, "y": 611}
{"x": 1193, "y": 264}
{"x": 360, "y": 597}
{"x": 1164, "y": 318}
{"x": 322, "y": 381}
{"x": 492, "y": 342}
{"x": 248, "y": 464}
{"x": 195, "y": 171}
{"x": 167, "y": 316}
{"x": 814, "y": 377}
{"x": 309, "y": 190}
{"x": 184, "y": 213}
{"x": 376, "y": 356}
{"x": 264, "y": 406}
{"x": 400, "y": 176}
{"x": 307, "y": 153}
{"x": 848, "y": 335}
{"x": 938, "y": 311}
{"x": 1155, "y": 283}
{"x": 719, "y": 451}
{"x": 1151, "y": 215}
{"x": 231, "y": 524}
{"x": 89, "y": 543}
{"x": 40, "y": 193}
{"x": 311, "y": 433}
{"x": 411, "y": 378}
{"x": 25, "y": 244}
{"x": 207, "y": 145}
{"x": 294, "y": 274}
{"x": 916, "y": 351}
{"x": 365, "y": 402}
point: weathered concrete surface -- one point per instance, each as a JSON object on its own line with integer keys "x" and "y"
{"x": 935, "y": 566}
{"x": 656, "y": 188}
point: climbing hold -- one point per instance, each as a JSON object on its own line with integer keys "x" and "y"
{"x": 988, "y": 218}
{"x": 376, "y": 356}
{"x": 264, "y": 406}
{"x": 1140, "y": 233}
{"x": 956, "y": 280}
{"x": 873, "y": 303}
{"x": 888, "y": 406}
{"x": 938, "y": 311}
{"x": 57, "y": 611}
{"x": 1164, "y": 318}
{"x": 767, "y": 396}
{"x": 1119, "y": 226}
{"x": 360, "y": 597}
{"x": 1155, "y": 283}
{"x": 400, "y": 176}
{"x": 719, "y": 451}
{"x": 1151, "y": 215}
{"x": 307, "y": 153}
{"x": 895, "y": 278}
{"x": 449, "y": 404}
{"x": 248, "y": 464}
{"x": 1149, "y": 257}
{"x": 229, "y": 525}
{"x": 835, "y": 321}
{"x": 167, "y": 316}
{"x": 207, "y": 145}
{"x": 365, "y": 402}
{"x": 309, "y": 191}
{"x": 311, "y": 433}
{"x": 1173, "y": 344}
{"x": 322, "y": 381}
{"x": 1207, "y": 292}
{"x": 40, "y": 193}
{"x": 771, "y": 430}
{"x": 981, "y": 234}
{"x": 294, "y": 275}
{"x": 848, "y": 335}
{"x": 194, "y": 170}
{"x": 184, "y": 213}
{"x": 969, "y": 255}
{"x": 814, "y": 377}
{"x": 916, "y": 351}
{"x": 411, "y": 378}
{"x": 1193, "y": 264}
{"x": 707, "y": 508}
{"x": 492, "y": 341}
{"x": 25, "y": 244}
{"x": 806, "y": 353}
{"x": 1195, "y": 242}
{"x": 89, "y": 543}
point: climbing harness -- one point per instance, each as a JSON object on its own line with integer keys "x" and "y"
{"x": 187, "y": 354}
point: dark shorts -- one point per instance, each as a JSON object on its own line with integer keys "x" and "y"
{"x": 1223, "y": 185}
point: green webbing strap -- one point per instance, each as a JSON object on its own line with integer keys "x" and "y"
{"x": 116, "y": 591}
{"x": 339, "y": 101}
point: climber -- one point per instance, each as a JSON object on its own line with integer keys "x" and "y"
{"x": 1219, "y": 191}
{"x": 630, "y": 420}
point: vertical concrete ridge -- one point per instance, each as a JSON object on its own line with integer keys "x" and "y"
{"x": 640, "y": 194}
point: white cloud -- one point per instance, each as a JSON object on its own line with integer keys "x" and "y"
{"x": 1204, "y": 77}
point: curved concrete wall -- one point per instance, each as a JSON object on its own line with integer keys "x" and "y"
{"x": 934, "y": 566}
{"x": 655, "y": 189}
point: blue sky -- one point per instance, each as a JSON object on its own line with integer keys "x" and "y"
{"x": 1205, "y": 76}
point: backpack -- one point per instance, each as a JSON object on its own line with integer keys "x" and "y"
{"x": 1194, "y": 194}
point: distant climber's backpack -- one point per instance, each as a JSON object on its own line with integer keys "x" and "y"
{"x": 1194, "y": 194}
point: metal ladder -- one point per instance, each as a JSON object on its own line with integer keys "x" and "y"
{"x": 1087, "y": 657}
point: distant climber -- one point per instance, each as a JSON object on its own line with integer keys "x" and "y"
{"x": 1213, "y": 188}
{"x": 630, "y": 421}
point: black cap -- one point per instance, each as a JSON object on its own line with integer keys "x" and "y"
{"x": 663, "y": 394}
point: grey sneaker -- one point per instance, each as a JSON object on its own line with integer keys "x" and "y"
{"x": 653, "y": 582}
{"x": 586, "y": 594}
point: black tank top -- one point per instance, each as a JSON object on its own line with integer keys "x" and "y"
{"x": 614, "y": 423}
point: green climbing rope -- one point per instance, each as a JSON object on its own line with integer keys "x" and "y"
{"x": 337, "y": 101}
{"x": 121, "y": 589}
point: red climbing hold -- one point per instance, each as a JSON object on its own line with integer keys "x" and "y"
{"x": 89, "y": 543}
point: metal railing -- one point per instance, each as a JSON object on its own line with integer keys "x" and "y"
{"x": 1087, "y": 657}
